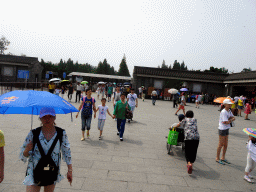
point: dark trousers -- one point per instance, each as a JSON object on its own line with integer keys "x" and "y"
{"x": 121, "y": 126}
{"x": 78, "y": 93}
{"x": 70, "y": 96}
{"x": 175, "y": 103}
{"x": 191, "y": 147}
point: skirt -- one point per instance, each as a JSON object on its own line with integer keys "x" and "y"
{"x": 191, "y": 147}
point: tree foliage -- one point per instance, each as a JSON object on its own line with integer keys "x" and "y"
{"x": 164, "y": 66}
{"x": 3, "y": 44}
{"x": 123, "y": 69}
{"x": 217, "y": 70}
{"x": 246, "y": 69}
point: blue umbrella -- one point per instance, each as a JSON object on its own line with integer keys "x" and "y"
{"x": 183, "y": 89}
{"x": 31, "y": 102}
{"x": 127, "y": 83}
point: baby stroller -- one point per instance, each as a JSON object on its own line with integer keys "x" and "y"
{"x": 180, "y": 141}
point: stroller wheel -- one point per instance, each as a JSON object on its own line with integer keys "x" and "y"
{"x": 183, "y": 146}
{"x": 168, "y": 147}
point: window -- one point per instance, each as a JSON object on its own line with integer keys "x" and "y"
{"x": 197, "y": 87}
{"x": 8, "y": 71}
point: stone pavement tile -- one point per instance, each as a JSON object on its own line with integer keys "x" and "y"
{"x": 175, "y": 171}
{"x": 166, "y": 180}
{"x": 127, "y": 176}
{"x": 174, "y": 188}
{"x": 110, "y": 166}
{"x": 143, "y": 155}
{"x": 199, "y": 182}
{"x": 14, "y": 188}
{"x": 104, "y": 185}
{"x": 120, "y": 153}
{"x": 82, "y": 163}
{"x": 90, "y": 173}
{"x": 128, "y": 160}
{"x": 13, "y": 177}
{"x": 84, "y": 150}
{"x": 3, "y": 186}
{"x": 69, "y": 190}
{"x": 159, "y": 163}
{"x": 145, "y": 187}
{"x": 91, "y": 156}
{"x": 240, "y": 185}
{"x": 145, "y": 169}
{"x": 77, "y": 183}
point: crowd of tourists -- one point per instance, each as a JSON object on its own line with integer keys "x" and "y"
{"x": 44, "y": 145}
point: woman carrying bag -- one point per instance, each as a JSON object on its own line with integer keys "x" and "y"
{"x": 119, "y": 113}
{"x": 42, "y": 147}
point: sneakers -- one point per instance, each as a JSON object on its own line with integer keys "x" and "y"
{"x": 100, "y": 138}
{"x": 129, "y": 120}
{"x": 250, "y": 176}
{"x": 121, "y": 139}
{"x": 117, "y": 133}
{"x": 246, "y": 178}
{"x": 83, "y": 139}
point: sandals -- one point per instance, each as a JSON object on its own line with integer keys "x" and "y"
{"x": 220, "y": 162}
{"x": 83, "y": 139}
{"x": 225, "y": 161}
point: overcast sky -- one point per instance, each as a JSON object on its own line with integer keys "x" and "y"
{"x": 203, "y": 33}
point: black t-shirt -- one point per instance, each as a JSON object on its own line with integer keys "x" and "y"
{"x": 144, "y": 91}
{"x": 70, "y": 89}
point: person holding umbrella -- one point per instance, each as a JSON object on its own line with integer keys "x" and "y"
{"x": 51, "y": 87}
{"x": 251, "y": 156}
{"x": 43, "y": 147}
{"x": 182, "y": 104}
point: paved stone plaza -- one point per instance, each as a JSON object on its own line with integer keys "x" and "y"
{"x": 140, "y": 162}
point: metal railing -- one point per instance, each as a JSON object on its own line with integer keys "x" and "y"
{"x": 6, "y": 87}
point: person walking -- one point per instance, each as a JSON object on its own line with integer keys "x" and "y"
{"x": 43, "y": 146}
{"x": 51, "y": 87}
{"x": 70, "y": 92}
{"x": 57, "y": 90}
{"x": 87, "y": 105}
{"x": 132, "y": 101}
{"x": 154, "y": 96}
{"x": 251, "y": 156}
{"x": 197, "y": 101}
{"x": 182, "y": 104}
{"x": 103, "y": 110}
{"x": 63, "y": 90}
{"x": 247, "y": 111}
{"x": 191, "y": 138}
{"x": 144, "y": 91}
{"x": 175, "y": 100}
{"x": 78, "y": 91}
{"x": 225, "y": 120}
{"x": 110, "y": 91}
{"x": 240, "y": 106}
{"x": 119, "y": 113}
{"x": 2, "y": 144}
{"x": 140, "y": 92}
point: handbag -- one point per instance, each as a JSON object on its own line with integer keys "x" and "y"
{"x": 173, "y": 137}
{"x": 128, "y": 113}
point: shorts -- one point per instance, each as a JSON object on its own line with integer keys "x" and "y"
{"x": 109, "y": 95}
{"x": 86, "y": 122}
{"x": 101, "y": 123}
{"x": 181, "y": 107}
{"x": 197, "y": 101}
{"x": 224, "y": 132}
{"x": 240, "y": 107}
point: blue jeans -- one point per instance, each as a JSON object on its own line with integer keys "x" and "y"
{"x": 121, "y": 126}
{"x": 153, "y": 100}
{"x": 86, "y": 121}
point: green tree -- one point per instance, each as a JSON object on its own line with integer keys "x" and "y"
{"x": 183, "y": 66}
{"x": 217, "y": 70}
{"x": 164, "y": 66}
{"x": 3, "y": 44}
{"x": 246, "y": 70}
{"x": 123, "y": 69}
{"x": 100, "y": 68}
{"x": 176, "y": 65}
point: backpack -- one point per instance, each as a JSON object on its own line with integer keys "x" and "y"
{"x": 83, "y": 111}
{"x": 46, "y": 171}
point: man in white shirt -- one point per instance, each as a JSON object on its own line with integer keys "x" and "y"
{"x": 140, "y": 92}
{"x": 78, "y": 91}
{"x": 154, "y": 95}
{"x": 132, "y": 101}
{"x": 226, "y": 118}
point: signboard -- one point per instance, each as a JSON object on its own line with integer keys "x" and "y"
{"x": 47, "y": 76}
{"x": 23, "y": 74}
{"x": 64, "y": 75}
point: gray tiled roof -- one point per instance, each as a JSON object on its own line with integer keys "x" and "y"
{"x": 179, "y": 73}
{"x": 17, "y": 59}
{"x": 241, "y": 76}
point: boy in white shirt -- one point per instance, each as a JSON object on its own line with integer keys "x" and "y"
{"x": 132, "y": 101}
{"x": 103, "y": 110}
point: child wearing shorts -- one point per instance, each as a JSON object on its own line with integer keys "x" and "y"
{"x": 103, "y": 110}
